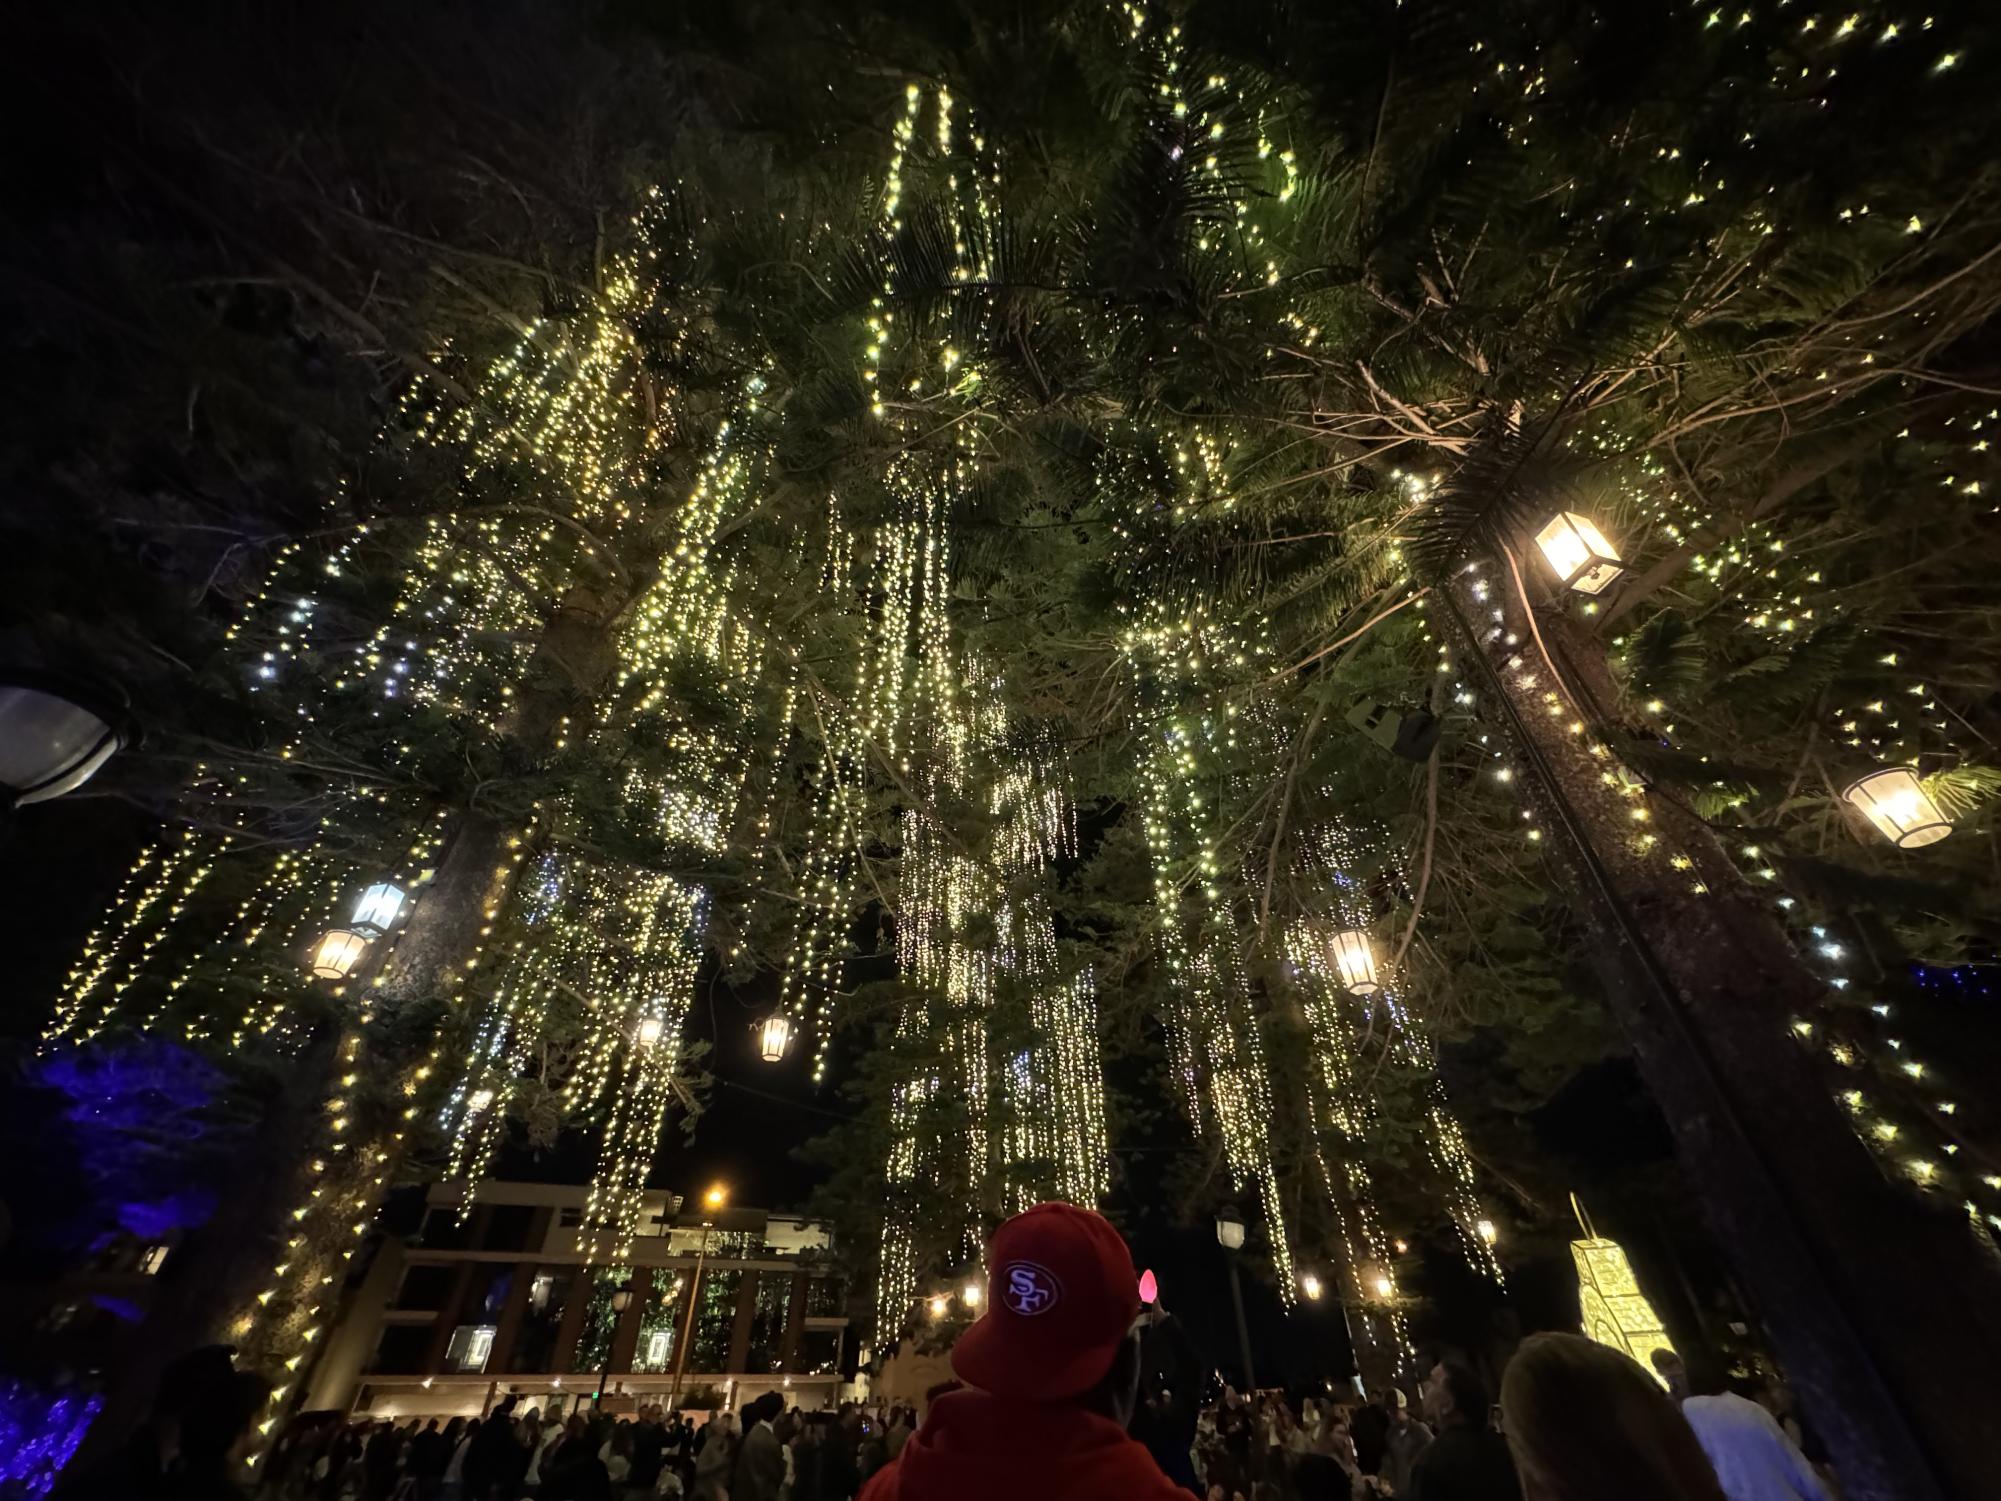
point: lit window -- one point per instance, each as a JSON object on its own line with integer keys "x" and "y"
{"x": 471, "y": 1345}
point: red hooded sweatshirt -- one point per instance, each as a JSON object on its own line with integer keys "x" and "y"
{"x": 977, "y": 1447}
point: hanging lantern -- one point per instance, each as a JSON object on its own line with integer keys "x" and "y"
{"x": 774, "y": 1035}
{"x": 54, "y": 735}
{"x": 1385, "y": 1287}
{"x": 1896, "y": 802}
{"x": 338, "y": 954}
{"x": 1310, "y": 1285}
{"x": 1355, "y": 961}
{"x": 1616, "y": 1312}
{"x": 1486, "y": 1231}
{"x": 377, "y": 909}
{"x": 647, "y": 1033}
{"x": 1579, "y": 553}
{"x": 1229, "y": 1228}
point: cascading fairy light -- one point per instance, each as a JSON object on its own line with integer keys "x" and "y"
{"x": 1333, "y": 859}
{"x": 639, "y": 1046}
{"x": 1783, "y": 600}
{"x": 458, "y": 638}
{"x": 1346, "y": 1110}
{"x": 972, "y": 924}
{"x": 118, "y": 951}
{"x": 826, "y": 886}
{"x": 1214, "y": 1033}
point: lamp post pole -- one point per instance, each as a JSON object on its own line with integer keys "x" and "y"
{"x": 712, "y": 1200}
{"x": 1230, "y": 1234}
{"x": 621, "y": 1299}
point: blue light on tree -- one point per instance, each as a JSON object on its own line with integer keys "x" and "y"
{"x": 38, "y": 1434}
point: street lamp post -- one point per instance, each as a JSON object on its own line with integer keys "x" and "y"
{"x": 621, "y": 1299}
{"x": 713, "y": 1200}
{"x": 1230, "y": 1234}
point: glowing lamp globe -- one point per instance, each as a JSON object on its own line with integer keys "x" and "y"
{"x": 1310, "y": 1285}
{"x": 1385, "y": 1288}
{"x": 338, "y": 953}
{"x": 1895, "y": 801}
{"x": 54, "y": 735}
{"x": 647, "y": 1033}
{"x": 774, "y": 1035}
{"x": 1578, "y": 553}
{"x": 1355, "y": 961}
{"x": 377, "y": 909}
{"x": 1229, "y": 1229}
{"x": 939, "y": 1307}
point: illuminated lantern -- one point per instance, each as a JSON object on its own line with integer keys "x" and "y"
{"x": 939, "y": 1306}
{"x": 1579, "y": 553}
{"x": 1486, "y": 1231}
{"x": 1385, "y": 1288}
{"x": 1355, "y": 960}
{"x": 1229, "y": 1228}
{"x": 54, "y": 735}
{"x": 377, "y": 909}
{"x": 648, "y": 1032}
{"x": 971, "y": 1294}
{"x": 774, "y": 1035}
{"x": 338, "y": 954}
{"x": 1896, "y": 802}
{"x": 1310, "y": 1285}
{"x": 1616, "y": 1312}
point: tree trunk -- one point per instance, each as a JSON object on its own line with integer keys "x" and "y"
{"x": 210, "y": 1274}
{"x": 1885, "y": 1308}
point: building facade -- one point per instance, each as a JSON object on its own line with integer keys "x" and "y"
{"x": 497, "y": 1296}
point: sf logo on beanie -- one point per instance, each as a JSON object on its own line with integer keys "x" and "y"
{"x": 1031, "y": 1289}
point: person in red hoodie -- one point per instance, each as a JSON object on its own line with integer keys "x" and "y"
{"x": 1052, "y": 1374}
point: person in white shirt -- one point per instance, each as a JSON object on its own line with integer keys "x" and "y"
{"x": 552, "y": 1429}
{"x": 1753, "y": 1458}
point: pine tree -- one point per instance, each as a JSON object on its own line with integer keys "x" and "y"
{"x": 988, "y": 419}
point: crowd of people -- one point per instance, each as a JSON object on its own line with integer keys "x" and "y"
{"x": 766, "y": 1452}
{"x": 1458, "y": 1446}
{"x": 1068, "y": 1389}
{"x": 1315, "y": 1449}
